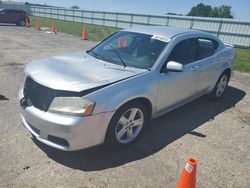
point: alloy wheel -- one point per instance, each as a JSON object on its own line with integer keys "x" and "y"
{"x": 129, "y": 125}
{"x": 221, "y": 86}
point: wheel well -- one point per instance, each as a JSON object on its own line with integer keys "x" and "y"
{"x": 19, "y": 21}
{"x": 227, "y": 72}
{"x": 144, "y": 101}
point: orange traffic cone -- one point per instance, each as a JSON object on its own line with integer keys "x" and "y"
{"x": 188, "y": 176}
{"x": 125, "y": 43}
{"x": 120, "y": 42}
{"x": 53, "y": 30}
{"x": 38, "y": 26}
{"x": 27, "y": 22}
{"x": 84, "y": 32}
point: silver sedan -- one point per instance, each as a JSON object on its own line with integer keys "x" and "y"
{"x": 110, "y": 93}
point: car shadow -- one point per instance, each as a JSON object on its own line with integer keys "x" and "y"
{"x": 161, "y": 132}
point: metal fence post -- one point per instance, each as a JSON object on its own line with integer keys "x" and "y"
{"x": 191, "y": 23}
{"x": 104, "y": 17}
{"x": 116, "y": 23}
{"x": 92, "y": 16}
{"x": 64, "y": 14}
{"x": 73, "y": 15}
{"x": 219, "y": 28}
{"x": 131, "y": 21}
{"x": 148, "y": 20}
{"x": 82, "y": 16}
{"x": 167, "y": 21}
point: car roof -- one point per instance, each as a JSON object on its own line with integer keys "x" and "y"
{"x": 167, "y": 32}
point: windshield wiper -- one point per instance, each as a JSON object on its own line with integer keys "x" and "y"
{"x": 116, "y": 52}
{"x": 96, "y": 55}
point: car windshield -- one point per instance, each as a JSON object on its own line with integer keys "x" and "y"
{"x": 130, "y": 49}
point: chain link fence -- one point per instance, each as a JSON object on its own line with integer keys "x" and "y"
{"x": 236, "y": 32}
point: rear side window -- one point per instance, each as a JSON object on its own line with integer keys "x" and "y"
{"x": 14, "y": 12}
{"x": 20, "y": 12}
{"x": 184, "y": 52}
{"x": 9, "y": 12}
{"x": 206, "y": 48}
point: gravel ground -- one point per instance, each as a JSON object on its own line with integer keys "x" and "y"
{"x": 216, "y": 134}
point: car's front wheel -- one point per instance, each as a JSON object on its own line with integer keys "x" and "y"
{"x": 127, "y": 124}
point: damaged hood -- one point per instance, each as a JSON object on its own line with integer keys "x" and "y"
{"x": 77, "y": 72}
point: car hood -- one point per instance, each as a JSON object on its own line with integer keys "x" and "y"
{"x": 77, "y": 72}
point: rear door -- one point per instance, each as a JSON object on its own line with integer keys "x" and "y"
{"x": 208, "y": 64}
{"x": 176, "y": 87}
{"x": 12, "y": 16}
{"x": 3, "y": 16}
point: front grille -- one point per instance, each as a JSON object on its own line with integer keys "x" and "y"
{"x": 41, "y": 96}
{"x": 38, "y": 95}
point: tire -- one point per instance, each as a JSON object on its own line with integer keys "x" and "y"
{"x": 220, "y": 87}
{"x": 21, "y": 23}
{"x": 127, "y": 124}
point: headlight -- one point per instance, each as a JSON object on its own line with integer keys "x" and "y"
{"x": 76, "y": 106}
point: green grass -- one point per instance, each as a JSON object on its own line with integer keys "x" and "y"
{"x": 94, "y": 32}
{"x": 242, "y": 60}
{"x": 98, "y": 33}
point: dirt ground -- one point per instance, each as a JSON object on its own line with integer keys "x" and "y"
{"x": 215, "y": 133}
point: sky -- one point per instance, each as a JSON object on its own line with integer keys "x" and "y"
{"x": 240, "y": 8}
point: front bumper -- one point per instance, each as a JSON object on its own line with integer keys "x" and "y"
{"x": 68, "y": 133}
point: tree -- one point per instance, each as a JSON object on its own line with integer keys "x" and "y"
{"x": 224, "y": 11}
{"x": 214, "y": 13}
{"x": 202, "y": 10}
{"x": 75, "y": 7}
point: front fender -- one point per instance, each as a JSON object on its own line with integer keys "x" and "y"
{"x": 129, "y": 94}
{"x": 114, "y": 96}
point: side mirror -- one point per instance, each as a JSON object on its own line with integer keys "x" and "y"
{"x": 174, "y": 66}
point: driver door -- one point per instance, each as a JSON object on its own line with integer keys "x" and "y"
{"x": 177, "y": 87}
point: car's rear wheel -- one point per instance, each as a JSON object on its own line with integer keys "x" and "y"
{"x": 220, "y": 86}
{"x": 21, "y": 23}
{"x": 127, "y": 124}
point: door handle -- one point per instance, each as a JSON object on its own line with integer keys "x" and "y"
{"x": 220, "y": 60}
{"x": 194, "y": 68}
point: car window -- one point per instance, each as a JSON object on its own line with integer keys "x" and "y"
{"x": 2, "y": 12}
{"x": 134, "y": 49}
{"x": 20, "y": 12}
{"x": 121, "y": 42}
{"x": 184, "y": 52}
{"x": 207, "y": 47}
{"x": 8, "y": 12}
{"x": 11, "y": 12}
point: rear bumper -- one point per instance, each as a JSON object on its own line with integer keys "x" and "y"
{"x": 68, "y": 133}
